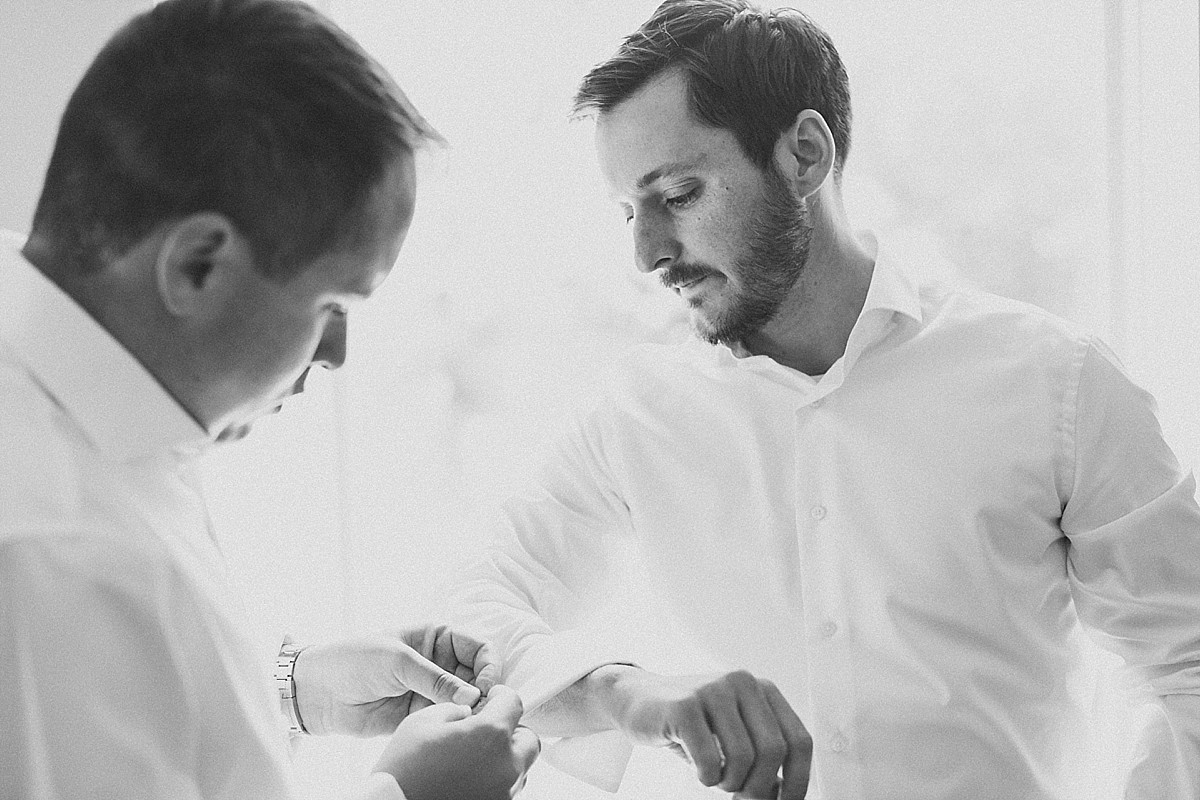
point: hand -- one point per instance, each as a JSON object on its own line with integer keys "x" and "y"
{"x": 366, "y": 686}
{"x": 737, "y": 730}
{"x": 445, "y": 753}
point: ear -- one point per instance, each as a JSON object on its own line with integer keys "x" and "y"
{"x": 806, "y": 153}
{"x": 197, "y": 261}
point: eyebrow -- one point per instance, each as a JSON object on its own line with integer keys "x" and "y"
{"x": 669, "y": 169}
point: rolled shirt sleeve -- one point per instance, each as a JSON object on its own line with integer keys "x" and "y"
{"x": 1134, "y": 566}
{"x": 551, "y": 557}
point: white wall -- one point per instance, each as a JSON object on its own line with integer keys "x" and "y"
{"x": 1159, "y": 212}
{"x": 44, "y": 49}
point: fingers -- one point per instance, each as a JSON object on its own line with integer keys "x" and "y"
{"x": 798, "y": 762}
{"x": 503, "y": 706}
{"x": 756, "y": 732}
{"x": 526, "y": 746}
{"x": 503, "y": 710}
{"x": 471, "y": 659}
{"x": 445, "y": 654}
{"x": 429, "y": 680}
{"x": 696, "y": 738}
{"x": 732, "y": 738}
{"x": 767, "y": 745}
{"x": 486, "y": 666}
{"x": 443, "y": 651}
{"x": 677, "y": 749}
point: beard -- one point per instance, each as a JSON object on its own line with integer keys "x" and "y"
{"x": 777, "y": 236}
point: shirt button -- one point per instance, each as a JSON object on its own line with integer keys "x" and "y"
{"x": 828, "y": 630}
{"x": 817, "y": 512}
{"x": 839, "y": 744}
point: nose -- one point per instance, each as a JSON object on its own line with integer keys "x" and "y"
{"x": 331, "y": 350}
{"x": 654, "y": 243}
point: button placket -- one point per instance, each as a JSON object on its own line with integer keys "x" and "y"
{"x": 827, "y": 649}
{"x": 829, "y": 645}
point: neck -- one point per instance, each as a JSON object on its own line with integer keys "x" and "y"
{"x": 811, "y": 328}
{"x": 119, "y": 298}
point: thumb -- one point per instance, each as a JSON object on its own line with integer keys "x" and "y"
{"x": 429, "y": 680}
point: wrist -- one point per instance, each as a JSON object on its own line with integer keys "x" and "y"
{"x": 611, "y": 688}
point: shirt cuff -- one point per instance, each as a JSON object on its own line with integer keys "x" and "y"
{"x": 598, "y": 759}
{"x": 550, "y": 664}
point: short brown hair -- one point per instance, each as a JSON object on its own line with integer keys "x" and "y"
{"x": 748, "y": 70}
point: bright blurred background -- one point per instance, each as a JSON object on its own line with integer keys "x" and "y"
{"x": 1046, "y": 151}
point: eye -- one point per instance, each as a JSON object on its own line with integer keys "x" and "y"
{"x": 337, "y": 309}
{"x": 682, "y": 200}
{"x": 628, "y": 212}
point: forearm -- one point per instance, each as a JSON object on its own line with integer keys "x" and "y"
{"x": 528, "y": 618}
{"x": 587, "y": 706}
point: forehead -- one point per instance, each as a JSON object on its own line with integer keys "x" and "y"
{"x": 653, "y": 134}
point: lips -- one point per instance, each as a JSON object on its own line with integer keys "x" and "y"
{"x": 690, "y": 290}
{"x": 679, "y": 287}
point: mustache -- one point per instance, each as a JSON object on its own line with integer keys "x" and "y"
{"x": 680, "y": 273}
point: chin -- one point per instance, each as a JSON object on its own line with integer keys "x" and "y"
{"x": 706, "y": 328}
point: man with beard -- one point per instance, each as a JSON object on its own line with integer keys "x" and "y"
{"x": 887, "y": 506}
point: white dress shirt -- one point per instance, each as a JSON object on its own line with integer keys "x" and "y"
{"x": 907, "y": 545}
{"x": 124, "y": 662}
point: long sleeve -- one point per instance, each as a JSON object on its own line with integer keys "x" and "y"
{"x": 1134, "y": 564}
{"x": 116, "y": 683}
{"x": 72, "y": 731}
{"x": 551, "y": 557}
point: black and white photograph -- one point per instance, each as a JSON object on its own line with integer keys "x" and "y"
{"x": 589, "y": 399}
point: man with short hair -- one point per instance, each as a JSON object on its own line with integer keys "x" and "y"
{"x": 230, "y": 178}
{"x": 887, "y": 506}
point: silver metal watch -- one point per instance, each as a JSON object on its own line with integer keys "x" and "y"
{"x": 285, "y": 682}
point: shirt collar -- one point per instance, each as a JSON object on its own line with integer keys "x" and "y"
{"x": 891, "y": 289}
{"x": 891, "y": 293}
{"x": 118, "y": 404}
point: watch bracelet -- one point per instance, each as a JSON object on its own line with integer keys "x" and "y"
{"x": 285, "y": 684}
